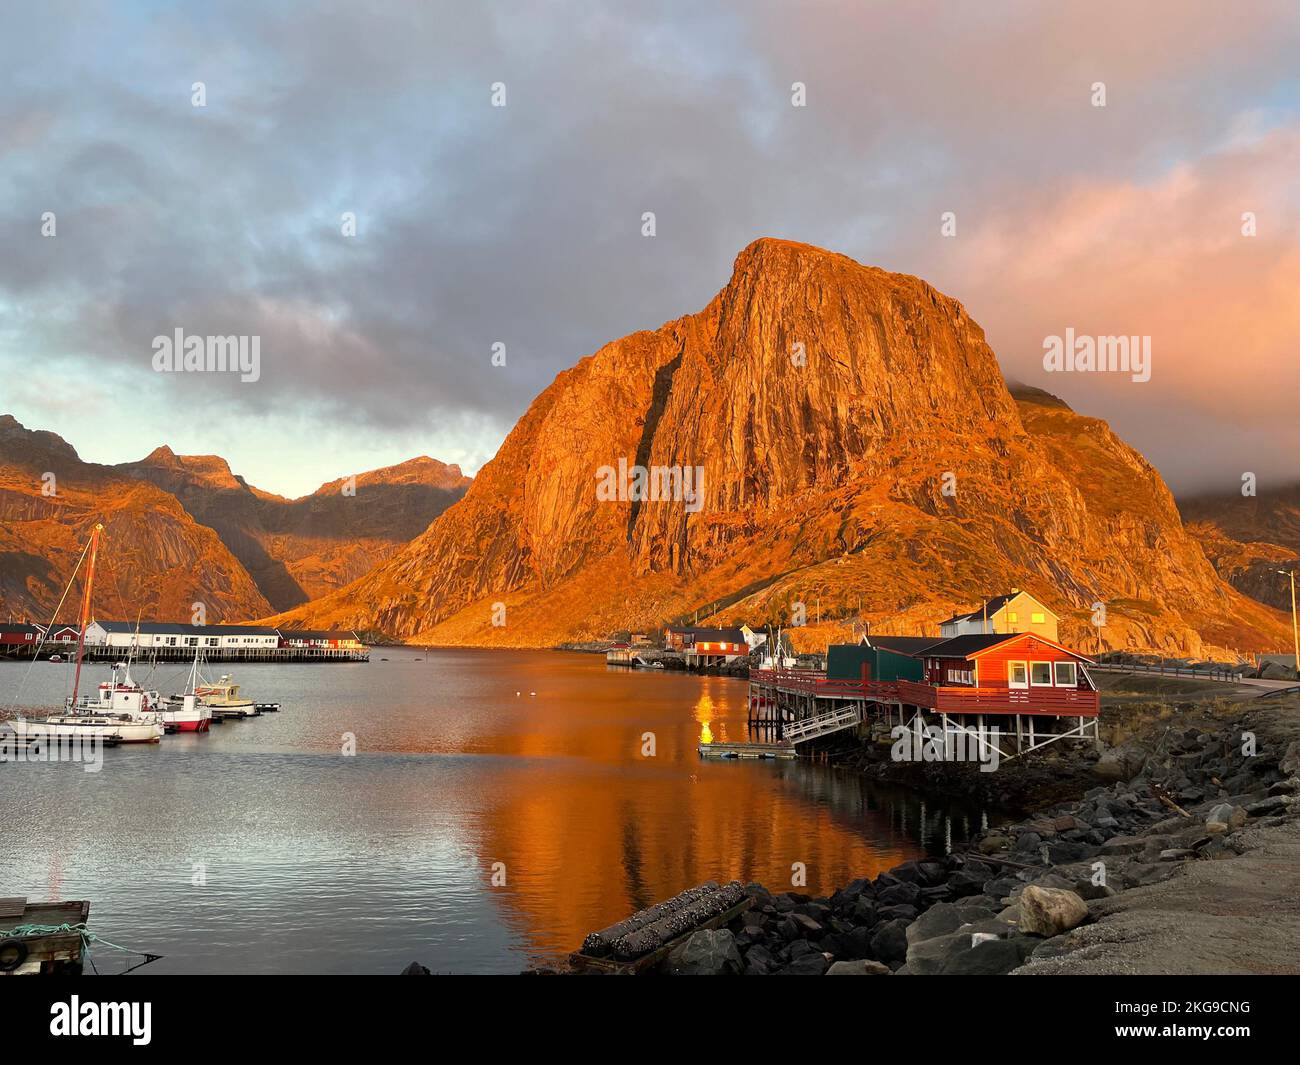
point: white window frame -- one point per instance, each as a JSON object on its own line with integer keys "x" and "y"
{"x": 1035, "y": 684}
{"x": 1011, "y": 679}
{"x": 1074, "y": 668}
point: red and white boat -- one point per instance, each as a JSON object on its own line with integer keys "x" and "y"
{"x": 120, "y": 711}
{"x": 186, "y": 712}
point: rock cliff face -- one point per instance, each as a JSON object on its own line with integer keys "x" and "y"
{"x": 155, "y": 561}
{"x": 862, "y": 460}
{"x": 183, "y": 529}
{"x": 1249, "y": 538}
{"x": 300, "y": 549}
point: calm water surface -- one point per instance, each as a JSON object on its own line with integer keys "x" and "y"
{"x": 316, "y": 862}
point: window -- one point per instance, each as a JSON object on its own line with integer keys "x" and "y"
{"x": 1038, "y": 618}
{"x": 1067, "y": 675}
{"x": 1013, "y": 617}
{"x": 1018, "y": 674}
{"x": 1040, "y": 674}
{"x": 960, "y": 676}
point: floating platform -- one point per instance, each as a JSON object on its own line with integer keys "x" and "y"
{"x": 51, "y": 952}
{"x": 746, "y": 750}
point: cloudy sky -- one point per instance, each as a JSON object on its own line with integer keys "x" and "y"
{"x": 522, "y": 224}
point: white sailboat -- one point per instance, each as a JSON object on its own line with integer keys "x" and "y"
{"x": 120, "y": 711}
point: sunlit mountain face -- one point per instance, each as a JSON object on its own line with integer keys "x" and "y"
{"x": 349, "y": 187}
{"x": 852, "y": 444}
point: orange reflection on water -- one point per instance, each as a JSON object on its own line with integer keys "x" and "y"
{"x": 615, "y": 832}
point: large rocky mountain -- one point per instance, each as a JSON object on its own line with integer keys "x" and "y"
{"x": 156, "y": 560}
{"x": 860, "y": 454}
{"x": 299, "y": 549}
{"x": 182, "y": 529}
{"x": 1250, "y": 538}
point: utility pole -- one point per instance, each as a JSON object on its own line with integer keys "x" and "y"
{"x": 1295, "y": 627}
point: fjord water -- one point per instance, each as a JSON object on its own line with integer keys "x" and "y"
{"x": 259, "y": 847}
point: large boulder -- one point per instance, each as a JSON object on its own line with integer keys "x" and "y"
{"x": 709, "y": 952}
{"x": 858, "y": 968}
{"x": 944, "y": 919}
{"x": 889, "y": 941}
{"x": 1049, "y": 911}
{"x": 1225, "y": 815}
{"x": 759, "y": 961}
{"x": 991, "y": 957}
{"x": 813, "y": 964}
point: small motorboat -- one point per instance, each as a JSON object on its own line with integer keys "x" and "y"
{"x": 185, "y": 712}
{"x": 223, "y": 699}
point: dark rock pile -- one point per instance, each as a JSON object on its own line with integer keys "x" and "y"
{"x": 1185, "y": 796}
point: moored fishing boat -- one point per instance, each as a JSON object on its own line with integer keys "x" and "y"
{"x": 120, "y": 705}
{"x": 223, "y": 699}
{"x": 120, "y": 711}
{"x": 185, "y": 712}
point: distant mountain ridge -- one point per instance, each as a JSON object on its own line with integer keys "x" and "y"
{"x": 299, "y": 549}
{"x": 181, "y": 529}
{"x": 1250, "y": 538}
{"x": 863, "y": 462}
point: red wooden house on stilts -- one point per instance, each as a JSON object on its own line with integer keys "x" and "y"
{"x": 1018, "y": 690}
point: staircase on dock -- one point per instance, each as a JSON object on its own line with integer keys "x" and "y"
{"x": 822, "y": 724}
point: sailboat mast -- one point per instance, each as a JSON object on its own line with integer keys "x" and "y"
{"x": 85, "y": 610}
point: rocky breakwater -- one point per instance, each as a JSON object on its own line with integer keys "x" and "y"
{"x": 1029, "y": 895}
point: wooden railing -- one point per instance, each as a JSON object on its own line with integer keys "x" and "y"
{"x": 822, "y": 725}
{"x": 1069, "y": 702}
{"x": 1168, "y": 671}
{"x": 815, "y": 682}
{"x": 1034, "y": 700}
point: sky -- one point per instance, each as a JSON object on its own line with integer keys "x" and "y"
{"x": 521, "y": 225}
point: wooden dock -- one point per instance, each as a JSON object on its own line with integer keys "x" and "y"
{"x": 56, "y": 952}
{"x": 746, "y": 750}
{"x": 102, "y": 653}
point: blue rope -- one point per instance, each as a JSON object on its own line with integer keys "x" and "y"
{"x": 87, "y": 937}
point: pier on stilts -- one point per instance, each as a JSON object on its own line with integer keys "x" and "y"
{"x": 795, "y": 706}
{"x": 1019, "y": 692}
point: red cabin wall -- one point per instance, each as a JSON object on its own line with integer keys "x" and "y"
{"x": 993, "y": 664}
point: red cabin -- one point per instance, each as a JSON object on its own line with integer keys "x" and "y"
{"x": 1005, "y": 673}
{"x": 12, "y": 635}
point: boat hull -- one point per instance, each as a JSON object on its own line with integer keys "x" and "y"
{"x": 177, "y": 723}
{"x": 232, "y": 709}
{"x": 108, "y": 731}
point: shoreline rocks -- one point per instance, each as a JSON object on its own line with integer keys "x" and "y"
{"x": 1021, "y": 889}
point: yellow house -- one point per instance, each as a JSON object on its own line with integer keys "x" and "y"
{"x": 1016, "y": 611}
